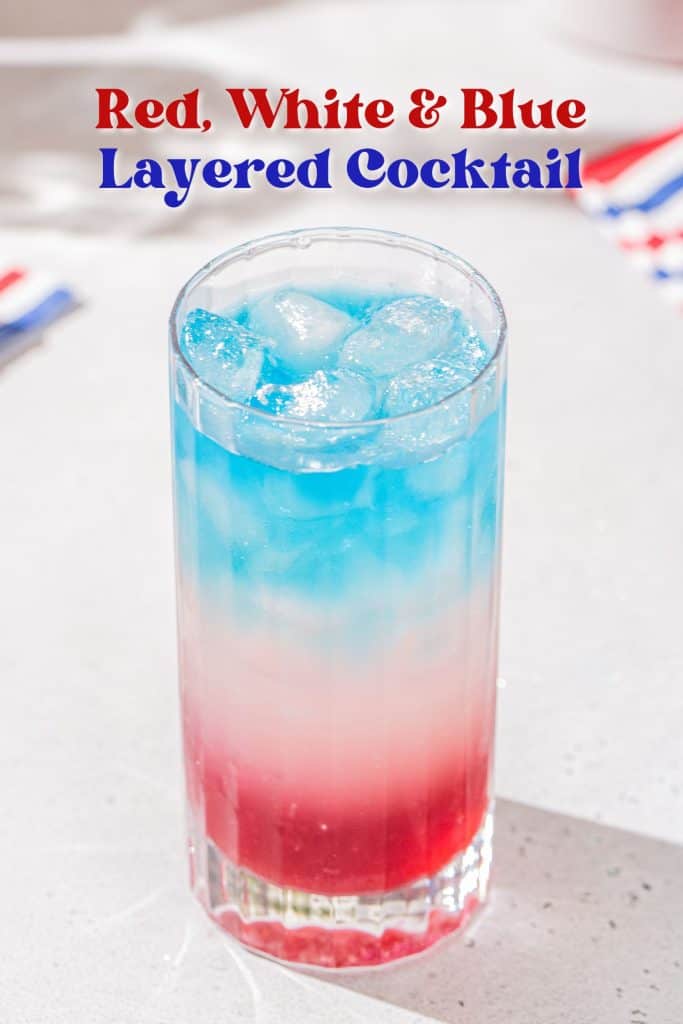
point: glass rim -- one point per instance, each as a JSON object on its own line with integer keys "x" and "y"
{"x": 303, "y": 237}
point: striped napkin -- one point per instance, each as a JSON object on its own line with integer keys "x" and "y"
{"x": 29, "y": 301}
{"x": 636, "y": 195}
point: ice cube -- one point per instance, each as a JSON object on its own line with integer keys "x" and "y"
{"x": 307, "y": 496}
{"x": 223, "y": 353}
{"x": 419, "y": 316}
{"x": 300, "y": 331}
{"x": 336, "y": 397}
{"x": 441, "y": 476}
{"x": 335, "y": 556}
{"x": 233, "y": 516}
{"x": 424, "y": 384}
{"x": 403, "y": 332}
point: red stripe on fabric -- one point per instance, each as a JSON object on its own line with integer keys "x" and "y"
{"x": 11, "y": 277}
{"x": 610, "y": 166}
{"x": 653, "y": 242}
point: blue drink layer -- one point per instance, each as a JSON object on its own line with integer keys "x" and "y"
{"x": 388, "y": 502}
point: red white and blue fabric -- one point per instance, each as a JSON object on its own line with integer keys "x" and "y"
{"x": 636, "y": 195}
{"x": 29, "y": 301}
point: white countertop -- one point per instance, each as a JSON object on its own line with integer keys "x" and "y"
{"x": 585, "y": 920}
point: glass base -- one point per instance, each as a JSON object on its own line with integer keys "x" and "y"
{"x": 341, "y": 931}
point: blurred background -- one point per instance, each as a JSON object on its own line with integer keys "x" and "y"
{"x": 52, "y": 59}
{"x": 591, "y": 706}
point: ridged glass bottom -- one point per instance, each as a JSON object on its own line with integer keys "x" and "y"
{"x": 341, "y": 931}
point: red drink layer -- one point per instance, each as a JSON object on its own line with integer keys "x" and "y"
{"x": 352, "y": 794}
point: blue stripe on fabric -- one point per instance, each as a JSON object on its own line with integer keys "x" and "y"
{"x": 657, "y": 198}
{"x": 49, "y": 309}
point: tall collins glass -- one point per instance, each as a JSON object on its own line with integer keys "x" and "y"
{"x": 338, "y": 427}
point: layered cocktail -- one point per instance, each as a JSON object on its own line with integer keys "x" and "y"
{"x": 338, "y": 418}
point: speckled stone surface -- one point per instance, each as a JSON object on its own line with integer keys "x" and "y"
{"x": 585, "y": 923}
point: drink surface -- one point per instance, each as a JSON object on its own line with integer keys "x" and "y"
{"x": 338, "y": 532}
